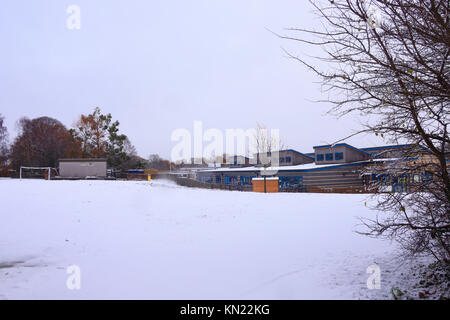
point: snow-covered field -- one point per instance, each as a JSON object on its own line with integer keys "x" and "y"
{"x": 156, "y": 240}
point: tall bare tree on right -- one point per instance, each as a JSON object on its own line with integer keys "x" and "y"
{"x": 388, "y": 61}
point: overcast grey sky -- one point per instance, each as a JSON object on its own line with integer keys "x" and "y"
{"x": 160, "y": 65}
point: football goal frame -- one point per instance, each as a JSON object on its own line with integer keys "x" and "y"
{"x": 49, "y": 169}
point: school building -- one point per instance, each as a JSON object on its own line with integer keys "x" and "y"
{"x": 330, "y": 168}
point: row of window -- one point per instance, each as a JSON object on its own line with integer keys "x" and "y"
{"x": 246, "y": 181}
{"x": 234, "y": 180}
{"x": 207, "y": 179}
{"x": 402, "y": 179}
{"x": 285, "y": 159}
{"x": 286, "y": 182}
{"x": 330, "y": 156}
{"x": 339, "y": 155}
{"x": 296, "y": 181}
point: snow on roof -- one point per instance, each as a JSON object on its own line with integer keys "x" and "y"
{"x": 82, "y": 160}
{"x": 307, "y": 166}
{"x": 300, "y": 153}
{"x": 340, "y": 145}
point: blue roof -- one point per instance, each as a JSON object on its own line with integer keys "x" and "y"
{"x": 399, "y": 146}
{"x": 351, "y": 164}
{"x": 388, "y": 147}
{"x": 341, "y": 145}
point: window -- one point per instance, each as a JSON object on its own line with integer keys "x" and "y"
{"x": 404, "y": 179}
{"x": 383, "y": 179}
{"x": 427, "y": 176}
{"x": 329, "y": 156}
{"x": 218, "y": 180}
{"x": 245, "y": 181}
{"x": 231, "y": 180}
{"x": 281, "y": 160}
{"x": 288, "y": 159}
{"x": 290, "y": 182}
{"x": 339, "y": 155}
{"x": 319, "y": 157}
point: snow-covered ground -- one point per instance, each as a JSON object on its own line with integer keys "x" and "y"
{"x": 156, "y": 240}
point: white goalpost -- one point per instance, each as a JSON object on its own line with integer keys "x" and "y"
{"x": 48, "y": 169}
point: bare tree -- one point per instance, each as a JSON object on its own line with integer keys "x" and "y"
{"x": 132, "y": 160}
{"x": 266, "y": 146}
{"x": 129, "y": 148}
{"x": 388, "y": 61}
{"x": 158, "y": 163}
{"x": 3, "y": 142}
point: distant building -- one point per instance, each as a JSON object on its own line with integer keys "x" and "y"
{"x": 235, "y": 162}
{"x": 291, "y": 157}
{"x": 386, "y": 152}
{"x": 82, "y": 168}
{"x": 192, "y": 163}
{"x": 287, "y": 157}
{"x": 329, "y": 168}
{"x": 339, "y": 153}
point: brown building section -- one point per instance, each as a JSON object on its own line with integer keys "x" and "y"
{"x": 288, "y": 157}
{"x": 235, "y": 162}
{"x": 271, "y": 185}
{"x": 339, "y": 153}
{"x": 291, "y": 158}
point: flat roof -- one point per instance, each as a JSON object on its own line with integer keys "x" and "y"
{"x": 340, "y": 145}
{"x": 82, "y": 160}
{"x": 236, "y": 156}
{"x": 388, "y": 147}
{"x": 300, "y": 167}
{"x": 398, "y": 146}
{"x": 300, "y": 153}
